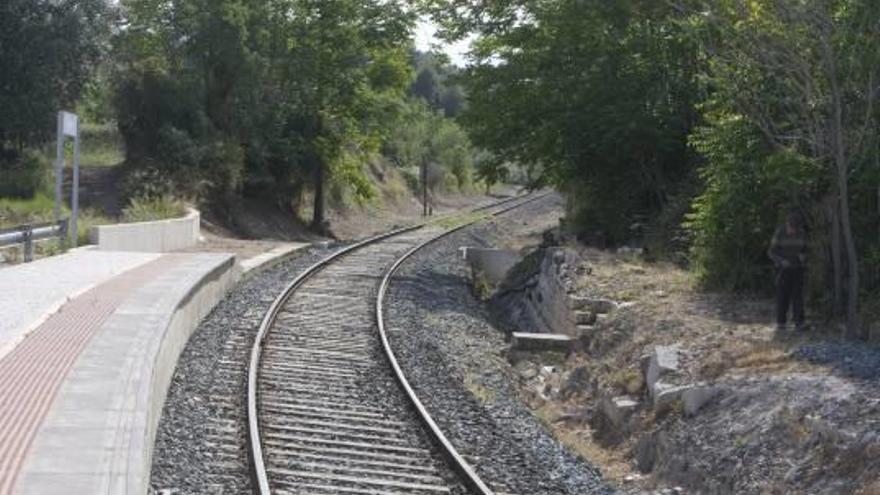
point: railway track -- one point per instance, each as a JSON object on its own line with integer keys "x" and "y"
{"x": 329, "y": 409}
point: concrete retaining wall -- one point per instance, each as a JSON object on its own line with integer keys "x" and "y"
{"x": 99, "y": 437}
{"x": 160, "y": 236}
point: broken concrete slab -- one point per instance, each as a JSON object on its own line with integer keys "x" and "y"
{"x": 594, "y": 305}
{"x": 695, "y": 398}
{"x": 541, "y": 342}
{"x": 584, "y": 317}
{"x": 492, "y": 264}
{"x": 663, "y": 360}
{"x": 666, "y": 393}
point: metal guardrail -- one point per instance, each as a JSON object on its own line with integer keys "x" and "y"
{"x": 28, "y": 234}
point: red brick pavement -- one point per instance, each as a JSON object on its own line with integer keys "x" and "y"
{"x": 31, "y": 374}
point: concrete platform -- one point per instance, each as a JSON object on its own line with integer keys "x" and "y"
{"x": 82, "y": 389}
{"x": 31, "y": 292}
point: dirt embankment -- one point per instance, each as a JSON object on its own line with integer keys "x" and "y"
{"x": 676, "y": 390}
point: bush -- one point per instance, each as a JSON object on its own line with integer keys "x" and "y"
{"x": 22, "y": 175}
{"x": 748, "y": 187}
{"x": 148, "y": 209}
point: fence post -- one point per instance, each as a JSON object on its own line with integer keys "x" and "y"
{"x": 28, "y": 234}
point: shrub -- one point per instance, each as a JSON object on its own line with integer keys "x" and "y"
{"x": 748, "y": 186}
{"x": 148, "y": 209}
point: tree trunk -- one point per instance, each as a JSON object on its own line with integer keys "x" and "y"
{"x": 836, "y": 258}
{"x": 318, "y": 213}
{"x": 852, "y": 262}
{"x": 838, "y": 146}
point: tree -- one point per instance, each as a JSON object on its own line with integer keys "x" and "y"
{"x": 806, "y": 76}
{"x": 597, "y": 96}
{"x": 48, "y": 50}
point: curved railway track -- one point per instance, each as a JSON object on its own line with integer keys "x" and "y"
{"x": 329, "y": 409}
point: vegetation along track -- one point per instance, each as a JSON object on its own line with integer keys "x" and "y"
{"x": 326, "y": 412}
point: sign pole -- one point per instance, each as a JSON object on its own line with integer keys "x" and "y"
{"x": 74, "y": 197}
{"x": 59, "y": 166}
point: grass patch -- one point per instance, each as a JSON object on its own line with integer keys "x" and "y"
{"x": 151, "y": 209}
{"x": 101, "y": 145}
{"x": 16, "y": 212}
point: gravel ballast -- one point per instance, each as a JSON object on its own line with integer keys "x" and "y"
{"x": 200, "y": 444}
{"x": 454, "y": 358}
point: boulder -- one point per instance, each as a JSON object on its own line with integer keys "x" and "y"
{"x": 663, "y": 360}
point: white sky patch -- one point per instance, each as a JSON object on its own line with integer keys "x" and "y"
{"x": 426, "y": 40}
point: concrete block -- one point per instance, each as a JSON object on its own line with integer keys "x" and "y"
{"x": 161, "y": 236}
{"x": 492, "y": 264}
{"x": 585, "y": 317}
{"x": 618, "y": 409}
{"x": 663, "y": 360}
{"x": 665, "y": 393}
{"x": 594, "y": 305}
{"x": 695, "y": 398}
{"x": 541, "y": 342}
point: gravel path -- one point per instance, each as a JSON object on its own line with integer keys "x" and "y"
{"x": 200, "y": 445}
{"x": 455, "y": 359}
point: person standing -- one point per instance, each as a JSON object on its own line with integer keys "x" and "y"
{"x": 788, "y": 250}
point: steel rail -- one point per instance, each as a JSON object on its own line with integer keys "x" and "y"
{"x": 473, "y": 480}
{"x": 255, "y": 443}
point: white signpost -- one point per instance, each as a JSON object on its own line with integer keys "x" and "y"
{"x": 68, "y": 126}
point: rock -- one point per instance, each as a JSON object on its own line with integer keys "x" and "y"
{"x": 663, "y": 360}
{"x": 666, "y": 394}
{"x": 547, "y": 370}
{"x": 528, "y": 372}
{"x": 493, "y": 264}
{"x": 559, "y": 256}
{"x": 646, "y": 452}
{"x": 696, "y": 397}
{"x": 618, "y": 409}
{"x": 594, "y": 305}
{"x": 578, "y": 381}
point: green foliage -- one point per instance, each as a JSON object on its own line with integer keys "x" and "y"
{"x": 49, "y": 50}
{"x": 594, "y": 97}
{"x": 102, "y": 145}
{"x": 424, "y": 136}
{"x": 22, "y": 175}
{"x": 748, "y": 186}
{"x": 15, "y": 212}
{"x": 148, "y": 209}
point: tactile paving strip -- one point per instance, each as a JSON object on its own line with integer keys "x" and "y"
{"x": 31, "y": 374}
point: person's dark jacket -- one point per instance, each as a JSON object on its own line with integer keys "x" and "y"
{"x": 788, "y": 250}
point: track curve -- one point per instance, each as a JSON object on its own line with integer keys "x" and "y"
{"x": 325, "y": 413}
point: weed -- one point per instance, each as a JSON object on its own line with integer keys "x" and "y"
{"x": 145, "y": 209}
{"x": 628, "y": 380}
{"x": 478, "y": 390}
{"x": 482, "y": 287}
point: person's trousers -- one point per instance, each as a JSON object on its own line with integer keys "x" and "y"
{"x": 790, "y": 292}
